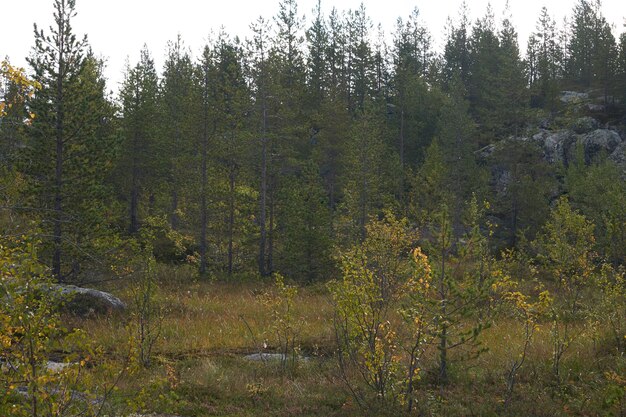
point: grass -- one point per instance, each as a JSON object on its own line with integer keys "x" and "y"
{"x": 208, "y": 327}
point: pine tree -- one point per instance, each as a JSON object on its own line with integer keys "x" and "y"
{"x": 484, "y": 85}
{"x": 512, "y": 109}
{"x": 69, "y": 147}
{"x": 225, "y": 103}
{"x": 456, "y": 138}
{"x": 413, "y": 101}
{"x": 360, "y": 61}
{"x": 141, "y": 159}
{"x": 456, "y": 54}
{"x": 371, "y": 169}
{"x": 261, "y": 81}
{"x": 304, "y": 227}
{"x": 591, "y": 46}
{"x": 621, "y": 68}
{"x": 317, "y": 64}
{"x": 176, "y": 94}
{"x": 545, "y": 60}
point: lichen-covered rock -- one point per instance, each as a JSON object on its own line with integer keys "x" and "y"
{"x": 573, "y": 96}
{"x": 585, "y": 125}
{"x": 555, "y": 144}
{"x": 87, "y": 301}
{"x": 619, "y": 154}
{"x": 600, "y": 140}
{"x": 595, "y": 108}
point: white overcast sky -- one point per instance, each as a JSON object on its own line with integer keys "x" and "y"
{"x": 117, "y": 29}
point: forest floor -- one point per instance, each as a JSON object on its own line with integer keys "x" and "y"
{"x": 207, "y": 328}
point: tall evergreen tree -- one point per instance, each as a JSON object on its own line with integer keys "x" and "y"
{"x": 317, "y": 64}
{"x": 545, "y": 61}
{"x": 142, "y": 157}
{"x": 69, "y": 142}
{"x": 260, "y": 76}
{"x": 456, "y": 55}
{"x": 371, "y": 172}
{"x": 177, "y": 121}
{"x": 456, "y": 137}
{"x": 511, "y": 111}
{"x": 360, "y": 61}
{"x": 591, "y": 47}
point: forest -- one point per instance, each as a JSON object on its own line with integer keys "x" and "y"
{"x": 321, "y": 219}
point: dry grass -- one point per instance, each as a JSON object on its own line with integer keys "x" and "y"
{"x": 207, "y": 327}
{"x": 210, "y": 318}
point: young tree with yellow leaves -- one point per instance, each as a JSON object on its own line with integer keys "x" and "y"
{"x": 381, "y": 323}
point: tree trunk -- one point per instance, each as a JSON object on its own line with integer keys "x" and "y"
{"x": 231, "y": 218}
{"x": 203, "y": 186}
{"x": 443, "y": 337}
{"x": 203, "y": 205}
{"x": 270, "y": 249}
{"x": 174, "y": 220}
{"x": 134, "y": 202}
{"x": 58, "y": 174}
{"x": 263, "y": 203}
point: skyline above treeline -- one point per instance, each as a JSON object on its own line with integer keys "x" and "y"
{"x": 119, "y": 43}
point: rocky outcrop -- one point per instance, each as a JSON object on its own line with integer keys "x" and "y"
{"x": 87, "y": 301}
{"x": 585, "y": 125}
{"x": 559, "y": 146}
{"x": 569, "y": 97}
{"x": 555, "y": 145}
{"x": 598, "y": 141}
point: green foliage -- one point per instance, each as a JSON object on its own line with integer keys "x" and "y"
{"x": 381, "y": 283}
{"x": 70, "y": 145}
{"x": 527, "y": 308}
{"x": 369, "y": 168}
{"x": 462, "y": 279}
{"x": 611, "y": 306}
{"x": 305, "y": 228}
{"x": 600, "y": 193}
{"x": 285, "y": 326}
{"x": 526, "y": 184}
{"x": 31, "y": 332}
{"x": 147, "y": 314}
{"x": 566, "y": 251}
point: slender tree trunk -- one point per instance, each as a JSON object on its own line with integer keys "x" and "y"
{"x": 134, "y": 200}
{"x": 58, "y": 174}
{"x": 203, "y": 174}
{"x": 263, "y": 202}
{"x": 401, "y": 135}
{"x": 203, "y": 204}
{"x": 231, "y": 218}
{"x": 270, "y": 249}
{"x": 443, "y": 337}
{"x": 401, "y": 180}
{"x": 174, "y": 220}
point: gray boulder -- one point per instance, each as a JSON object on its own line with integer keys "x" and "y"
{"x": 600, "y": 140}
{"x": 555, "y": 144}
{"x": 619, "y": 154}
{"x": 272, "y": 357}
{"x": 265, "y": 357}
{"x": 573, "y": 96}
{"x": 87, "y": 301}
{"x": 585, "y": 125}
{"x": 595, "y": 108}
